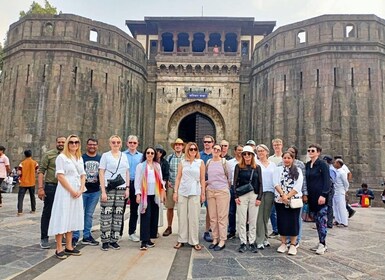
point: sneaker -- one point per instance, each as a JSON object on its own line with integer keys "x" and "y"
{"x": 266, "y": 243}
{"x": 20, "y": 214}
{"x": 90, "y": 241}
{"x": 133, "y": 237}
{"x": 351, "y": 213}
{"x": 321, "y": 249}
{"x": 60, "y": 255}
{"x": 73, "y": 252}
{"x": 143, "y": 246}
{"x": 115, "y": 246}
{"x": 207, "y": 237}
{"x": 231, "y": 235}
{"x": 260, "y": 247}
{"x": 150, "y": 244}
{"x": 292, "y": 250}
{"x": 253, "y": 248}
{"x": 282, "y": 248}
{"x": 273, "y": 234}
{"x": 44, "y": 244}
{"x": 167, "y": 232}
{"x": 105, "y": 246}
{"x": 242, "y": 248}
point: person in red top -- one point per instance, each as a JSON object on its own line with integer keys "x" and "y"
{"x": 27, "y": 181}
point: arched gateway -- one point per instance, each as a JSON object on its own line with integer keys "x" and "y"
{"x": 194, "y": 120}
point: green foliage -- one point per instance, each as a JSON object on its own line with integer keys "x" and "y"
{"x": 36, "y": 8}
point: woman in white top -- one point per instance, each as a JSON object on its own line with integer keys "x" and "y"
{"x": 149, "y": 190}
{"x": 189, "y": 193}
{"x": 67, "y": 210}
{"x": 112, "y": 164}
{"x": 288, "y": 180}
{"x": 268, "y": 168}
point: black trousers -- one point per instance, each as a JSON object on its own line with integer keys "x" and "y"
{"x": 149, "y": 220}
{"x": 133, "y": 211}
{"x": 50, "y": 190}
{"x": 20, "y": 198}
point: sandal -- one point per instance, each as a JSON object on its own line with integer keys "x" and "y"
{"x": 197, "y": 247}
{"x": 179, "y": 245}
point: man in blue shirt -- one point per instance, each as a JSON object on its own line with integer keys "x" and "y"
{"x": 134, "y": 157}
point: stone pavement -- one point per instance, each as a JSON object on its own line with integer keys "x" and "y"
{"x": 356, "y": 252}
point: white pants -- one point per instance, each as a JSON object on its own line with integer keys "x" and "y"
{"x": 247, "y": 206}
{"x": 339, "y": 209}
{"x": 188, "y": 218}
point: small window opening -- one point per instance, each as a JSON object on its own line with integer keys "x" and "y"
{"x": 93, "y": 35}
{"x": 302, "y": 37}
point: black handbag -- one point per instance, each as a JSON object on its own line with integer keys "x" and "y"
{"x": 244, "y": 189}
{"x": 117, "y": 181}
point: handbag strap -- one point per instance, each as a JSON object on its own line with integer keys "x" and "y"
{"x": 116, "y": 167}
{"x": 251, "y": 176}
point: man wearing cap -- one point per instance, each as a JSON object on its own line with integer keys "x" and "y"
{"x": 333, "y": 175}
{"x": 134, "y": 158}
{"x": 252, "y": 144}
{"x": 173, "y": 160}
{"x": 206, "y": 154}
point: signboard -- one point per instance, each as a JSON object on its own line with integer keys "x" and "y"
{"x": 196, "y": 95}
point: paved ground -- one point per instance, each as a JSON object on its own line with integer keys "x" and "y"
{"x": 356, "y": 252}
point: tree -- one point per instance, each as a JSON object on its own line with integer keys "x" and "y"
{"x": 36, "y": 8}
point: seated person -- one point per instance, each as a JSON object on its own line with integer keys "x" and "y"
{"x": 365, "y": 191}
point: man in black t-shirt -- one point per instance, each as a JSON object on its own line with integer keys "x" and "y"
{"x": 91, "y": 196}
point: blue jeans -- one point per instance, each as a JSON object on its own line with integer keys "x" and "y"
{"x": 273, "y": 219}
{"x": 90, "y": 200}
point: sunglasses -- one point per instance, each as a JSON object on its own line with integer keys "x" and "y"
{"x": 115, "y": 142}
{"x": 224, "y": 145}
{"x": 132, "y": 142}
{"x": 217, "y": 150}
{"x": 150, "y": 153}
{"x": 73, "y": 142}
{"x": 247, "y": 154}
{"x": 207, "y": 142}
{"x": 311, "y": 150}
{"x": 193, "y": 149}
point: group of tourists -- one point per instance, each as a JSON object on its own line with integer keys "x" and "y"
{"x": 240, "y": 193}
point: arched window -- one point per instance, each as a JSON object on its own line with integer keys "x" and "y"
{"x": 167, "y": 42}
{"x": 301, "y": 37}
{"x": 198, "y": 43}
{"x": 48, "y": 29}
{"x": 350, "y": 31}
{"x": 231, "y": 43}
{"x": 94, "y": 35}
{"x": 183, "y": 42}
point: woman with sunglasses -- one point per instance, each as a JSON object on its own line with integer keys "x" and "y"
{"x": 149, "y": 191}
{"x": 112, "y": 164}
{"x": 248, "y": 171}
{"x": 67, "y": 210}
{"x": 288, "y": 180}
{"x": 189, "y": 193}
{"x": 318, "y": 188}
{"x": 267, "y": 168}
{"x": 218, "y": 197}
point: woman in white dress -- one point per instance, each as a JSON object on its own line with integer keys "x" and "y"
{"x": 67, "y": 211}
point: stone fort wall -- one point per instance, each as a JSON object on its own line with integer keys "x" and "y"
{"x": 68, "y": 74}
{"x": 322, "y": 80}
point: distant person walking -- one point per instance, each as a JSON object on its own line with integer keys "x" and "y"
{"x": 27, "y": 181}
{"x": 5, "y": 169}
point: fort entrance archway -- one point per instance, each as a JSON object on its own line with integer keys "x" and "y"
{"x": 193, "y": 121}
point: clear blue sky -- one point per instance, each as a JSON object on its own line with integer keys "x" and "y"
{"x": 116, "y": 12}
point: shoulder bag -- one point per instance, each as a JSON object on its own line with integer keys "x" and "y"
{"x": 117, "y": 181}
{"x": 244, "y": 189}
{"x": 295, "y": 203}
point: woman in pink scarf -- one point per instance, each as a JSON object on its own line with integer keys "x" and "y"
{"x": 149, "y": 192}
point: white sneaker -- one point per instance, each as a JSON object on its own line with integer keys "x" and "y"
{"x": 321, "y": 249}
{"x": 282, "y": 248}
{"x": 292, "y": 250}
{"x": 260, "y": 247}
{"x": 266, "y": 243}
{"x": 134, "y": 238}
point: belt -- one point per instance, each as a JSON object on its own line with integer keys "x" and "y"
{"x": 50, "y": 184}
